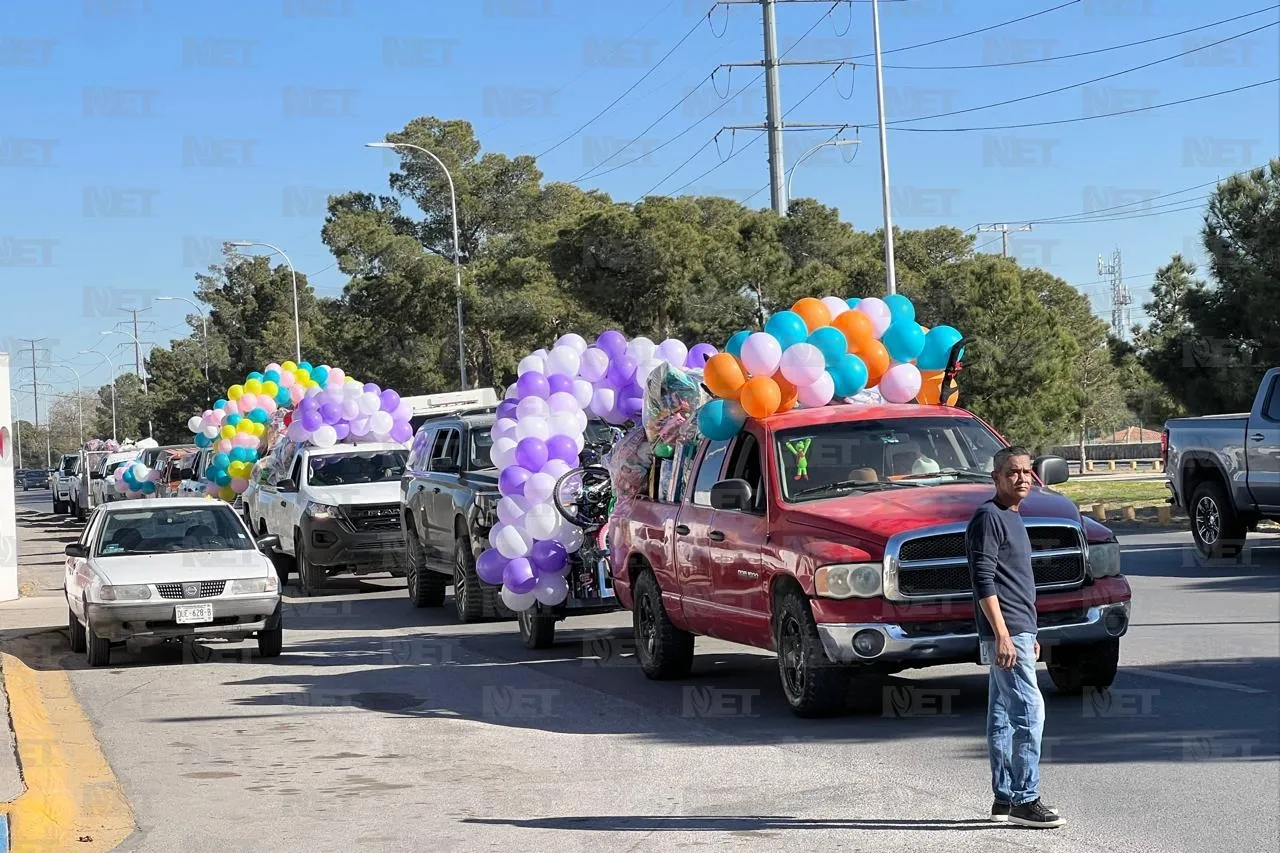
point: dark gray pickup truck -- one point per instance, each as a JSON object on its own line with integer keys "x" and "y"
{"x": 1224, "y": 470}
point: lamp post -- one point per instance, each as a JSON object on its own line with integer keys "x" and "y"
{"x": 836, "y": 143}
{"x": 114, "y": 435}
{"x": 146, "y": 392}
{"x": 79, "y": 398}
{"x": 297, "y": 323}
{"x": 457, "y": 251}
{"x": 204, "y": 331}
{"x": 891, "y": 280}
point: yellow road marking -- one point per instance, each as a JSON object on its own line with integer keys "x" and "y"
{"x": 71, "y": 792}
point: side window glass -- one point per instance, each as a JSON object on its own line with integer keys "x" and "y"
{"x": 744, "y": 464}
{"x": 446, "y": 446}
{"x": 709, "y": 472}
{"x": 1273, "y": 404}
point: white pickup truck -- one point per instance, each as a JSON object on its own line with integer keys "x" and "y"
{"x": 61, "y": 485}
{"x": 335, "y": 509}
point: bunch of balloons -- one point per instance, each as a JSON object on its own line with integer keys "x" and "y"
{"x": 823, "y": 350}
{"x": 320, "y": 405}
{"x": 537, "y": 438}
{"x": 137, "y": 480}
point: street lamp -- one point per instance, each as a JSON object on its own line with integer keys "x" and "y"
{"x": 114, "y": 435}
{"x": 143, "y": 377}
{"x": 836, "y": 143}
{"x": 297, "y": 324}
{"x": 204, "y": 328}
{"x": 891, "y": 280}
{"x": 457, "y": 251}
{"x": 79, "y": 398}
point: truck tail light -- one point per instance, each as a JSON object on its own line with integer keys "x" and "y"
{"x": 1164, "y": 447}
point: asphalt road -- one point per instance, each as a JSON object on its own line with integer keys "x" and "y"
{"x": 384, "y": 728}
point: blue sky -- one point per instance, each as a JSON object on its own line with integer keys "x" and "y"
{"x": 138, "y": 134}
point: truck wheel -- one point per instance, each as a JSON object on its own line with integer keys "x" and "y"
{"x": 426, "y": 588}
{"x": 99, "y": 648}
{"x": 80, "y": 512}
{"x": 75, "y": 632}
{"x": 468, "y": 594}
{"x": 663, "y": 650}
{"x": 813, "y": 685}
{"x": 271, "y": 640}
{"x": 1217, "y": 529}
{"x": 310, "y": 576}
{"x": 1093, "y": 665}
{"x": 537, "y": 631}
{"x": 57, "y": 507}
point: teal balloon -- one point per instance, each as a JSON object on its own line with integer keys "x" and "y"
{"x": 320, "y": 374}
{"x": 849, "y": 374}
{"x": 282, "y": 397}
{"x": 853, "y": 302}
{"x": 222, "y": 478}
{"x": 904, "y": 339}
{"x": 256, "y": 375}
{"x": 202, "y": 440}
{"x": 830, "y": 341}
{"x": 900, "y": 308}
{"x": 788, "y": 327}
{"x": 271, "y": 376}
{"x": 233, "y": 420}
{"x": 721, "y": 420}
{"x": 221, "y": 460}
{"x": 937, "y": 347}
{"x": 305, "y": 365}
{"x": 221, "y": 404}
{"x": 734, "y": 347}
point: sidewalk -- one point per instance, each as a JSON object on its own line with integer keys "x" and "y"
{"x": 18, "y": 618}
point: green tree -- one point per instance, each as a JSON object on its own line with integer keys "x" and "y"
{"x": 132, "y": 408}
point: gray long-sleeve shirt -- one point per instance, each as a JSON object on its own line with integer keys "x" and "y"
{"x": 999, "y": 553}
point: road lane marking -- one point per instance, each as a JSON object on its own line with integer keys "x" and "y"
{"x": 71, "y": 792}
{"x": 1198, "y": 682}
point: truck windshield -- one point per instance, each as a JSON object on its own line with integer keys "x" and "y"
{"x": 825, "y": 461}
{"x": 481, "y": 448}
{"x": 69, "y": 464}
{"x": 349, "y": 468}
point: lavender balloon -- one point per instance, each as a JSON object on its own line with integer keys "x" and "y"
{"x": 390, "y": 400}
{"x": 533, "y": 385}
{"x": 518, "y": 576}
{"x": 613, "y": 342}
{"x": 370, "y": 388}
{"x": 511, "y": 481}
{"x": 507, "y": 409}
{"x": 698, "y": 356}
{"x": 490, "y": 566}
{"x": 547, "y": 556}
{"x": 564, "y": 448}
{"x": 531, "y": 454}
{"x": 560, "y": 384}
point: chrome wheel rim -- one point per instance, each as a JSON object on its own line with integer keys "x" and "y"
{"x": 1208, "y": 520}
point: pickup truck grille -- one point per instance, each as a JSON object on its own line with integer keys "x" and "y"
{"x": 935, "y": 565}
{"x": 373, "y": 518}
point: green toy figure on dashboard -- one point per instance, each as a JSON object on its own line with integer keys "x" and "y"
{"x": 800, "y": 449}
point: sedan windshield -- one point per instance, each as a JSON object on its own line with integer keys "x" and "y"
{"x": 834, "y": 459}
{"x": 349, "y": 468}
{"x": 165, "y": 530}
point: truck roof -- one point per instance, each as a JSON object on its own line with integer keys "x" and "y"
{"x": 852, "y": 412}
{"x": 343, "y": 447}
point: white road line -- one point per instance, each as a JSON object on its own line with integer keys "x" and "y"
{"x": 1199, "y": 682}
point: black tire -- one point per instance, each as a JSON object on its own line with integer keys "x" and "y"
{"x": 662, "y": 650}
{"x": 98, "y": 648}
{"x": 468, "y": 591}
{"x": 1089, "y": 666}
{"x": 1217, "y": 529}
{"x": 283, "y": 566}
{"x": 813, "y": 685}
{"x": 76, "y": 633}
{"x": 310, "y": 577}
{"x": 58, "y": 507}
{"x": 80, "y": 511}
{"x": 426, "y": 588}
{"x": 537, "y": 630}
{"x": 271, "y": 640}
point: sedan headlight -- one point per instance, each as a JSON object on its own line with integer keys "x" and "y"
{"x": 848, "y": 580}
{"x": 125, "y": 592}
{"x": 318, "y": 510}
{"x": 253, "y": 586}
{"x": 1104, "y": 559}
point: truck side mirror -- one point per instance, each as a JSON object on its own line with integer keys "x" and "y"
{"x": 75, "y": 549}
{"x": 731, "y": 495}
{"x": 268, "y": 543}
{"x": 1051, "y": 470}
{"x": 287, "y": 485}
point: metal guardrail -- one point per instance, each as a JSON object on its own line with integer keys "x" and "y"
{"x": 1105, "y": 466}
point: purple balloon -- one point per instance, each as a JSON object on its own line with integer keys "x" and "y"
{"x": 401, "y": 431}
{"x": 531, "y": 453}
{"x": 631, "y": 407}
{"x": 622, "y": 369}
{"x": 613, "y": 342}
{"x": 548, "y": 556}
{"x": 507, "y": 409}
{"x": 511, "y": 481}
{"x": 343, "y": 430}
{"x": 312, "y": 420}
{"x": 490, "y": 566}
{"x": 533, "y": 385}
{"x": 370, "y": 388}
{"x": 698, "y": 356}
{"x": 560, "y": 383}
{"x": 309, "y": 404}
{"x": 518, "y": 576}
{"x": 331, "y": 412}
{"x": 390, "y": 399}
{"x": 561, "y": 447}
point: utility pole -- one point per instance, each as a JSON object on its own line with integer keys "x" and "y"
{"x": 35, "y": 397}
{"x": 1121, "y": 318}
{"x": 137, "y": 346}
{"x": 773, "y": 125}
{"x": 1003, "y": 228}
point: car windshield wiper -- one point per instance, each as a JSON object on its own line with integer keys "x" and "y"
{"x": 959, "y": 473}
{"x": 852, "y": 484}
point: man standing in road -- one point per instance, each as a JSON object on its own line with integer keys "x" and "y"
{"x": 1004, "y": 593}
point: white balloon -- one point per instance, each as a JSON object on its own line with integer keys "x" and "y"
{"x": 195, "y": 424}
{"x": 818, "y": 393}
{"x": 380, "y": 423}
{"x": 835, "y": 305}
{"x": 518, "y": 602}
{"x": 325, "y": 436}
{"x": 351, "y": 391}
{"x": 532, "y": 407}
{"x": 531, "y": 364}
{"x": 563, "y": 361}
{"x": 533, "y": 427}
{"x": 509, "y": 512}
{"x": 513, "y": 542}
{"x": 503, "y": 453}
{"x": 603, "y": 401}
{"x": 556, "y": 468}
{"x": 211, "y": 431}
{"x": 512, "y": 392}
{"x": 573, "y": 340}
{"x": 369, "y": 403}
{"x": 551, "y": 590}
{"x": 541, "y": 521}
{"x": 642, "y": 348}
{"x": 360, "y": 427}
{"x": 538, "y": 488}
{"x": 646, "y": 370}
{"x": 564, "y": 423}
{"x": 580, "y": 439}
{"x": 503, "y": 428}
{"x": 563, "y": 401}
{"x": 351, "y": 408}
{"x": 572, "y": 540}
{"x": 583, "y": 392}
{"x": 674, "y": 352}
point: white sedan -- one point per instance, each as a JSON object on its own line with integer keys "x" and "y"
{"x": 168, "y": 569}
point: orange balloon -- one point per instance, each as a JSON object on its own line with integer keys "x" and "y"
{"x": 760, "y": 397}
{"x": 876, "y": 357}
{"x": 790, "y": 394}
{"x": 724, "y": 376}
{"x": 924, "y": 329}
{"x": 856, "y": 327}
{"x": 931, "y": 389}
{"x": 813, "y": 312}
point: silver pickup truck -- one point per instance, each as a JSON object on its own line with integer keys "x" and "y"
{"x": 1224, "y": 470}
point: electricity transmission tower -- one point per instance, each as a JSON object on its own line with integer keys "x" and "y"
{"x": 1003, "y": 228}
{"x": 1121, "y": 314}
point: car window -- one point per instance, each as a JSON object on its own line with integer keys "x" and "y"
{"x": 744, "y": 464}
{"x": 1273, "y": 404}
{"x": 481, "y": 448}
{"x": 422, "y": 442}
{"x": 709, "y": 472}
{"x": 446, "y": 446}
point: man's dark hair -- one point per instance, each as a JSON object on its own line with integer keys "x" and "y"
{"x": 1003, "y": 456}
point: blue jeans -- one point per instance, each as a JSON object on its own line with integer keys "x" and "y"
{"x": 1015, "y": 722}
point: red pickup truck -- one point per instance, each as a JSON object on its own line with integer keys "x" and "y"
{"x": 835, "y": 537}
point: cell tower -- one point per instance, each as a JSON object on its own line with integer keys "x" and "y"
{"x": 1121, "y": 313}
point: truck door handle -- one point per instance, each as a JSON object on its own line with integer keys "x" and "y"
{"x": 1257, "y": 436}
{"x": 421, "y": 487}
{"x": 436, "y": 490}
{"x": 284, "y": 503}
{"x": 715, "y": 536}
{"x": 682, "y": 529}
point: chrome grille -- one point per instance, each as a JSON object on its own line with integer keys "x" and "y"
{"x": 935, "y": 565}
{"x": 373, "y": 518}
{"x": 208, "y": 589}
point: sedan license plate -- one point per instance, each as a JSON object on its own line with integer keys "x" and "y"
{"x": 193, "y": 614}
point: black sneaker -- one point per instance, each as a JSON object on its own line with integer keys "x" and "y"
{"x": 1000, "y": 811}
{"x": 1035, "y": 814}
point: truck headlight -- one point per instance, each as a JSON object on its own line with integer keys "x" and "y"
{"x": 1104, "y": 559}
{"x": 318, "y": 510}
{"x": 253, "y": 586}
{"x": 848, "y": 580}
{"x": 125, "y": 592}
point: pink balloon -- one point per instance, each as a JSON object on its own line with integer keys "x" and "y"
{"x": 761, "y": 354}
{"x": 876, "y": 309}
{"x": 835, "y": 305}
{"x": 288, "y": 380}
{"x": 900, "y": 383}
{"x": 225, "y": 445}
{"x": 239, "y": 484}
{"x": 802, "y": 364}
{"x": 817, "y": 393}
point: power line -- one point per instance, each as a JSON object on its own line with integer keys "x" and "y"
{"x": 963, "y": 35}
